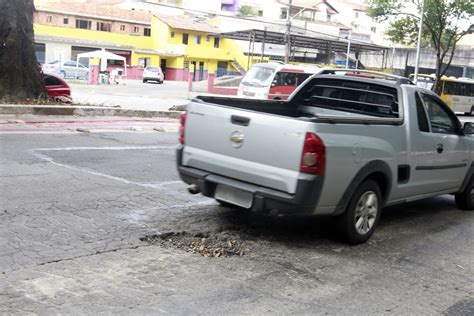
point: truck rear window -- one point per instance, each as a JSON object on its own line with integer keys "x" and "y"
{"x": 351, "y": 96}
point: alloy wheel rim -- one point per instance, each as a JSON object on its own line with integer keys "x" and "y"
{"x": 366, "y": 212}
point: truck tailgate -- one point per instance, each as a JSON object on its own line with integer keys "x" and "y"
{"x": 258, "y": 148}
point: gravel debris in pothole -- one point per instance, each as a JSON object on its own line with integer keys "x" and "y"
{"x": 217, "y": 245}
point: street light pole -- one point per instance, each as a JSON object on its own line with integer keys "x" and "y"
{"x": 348, "y": 49}
{"x": 418, "y": 45}
{"x": 288, "y": 33}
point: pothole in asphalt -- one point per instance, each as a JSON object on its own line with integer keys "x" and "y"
{"x": 215, "y": 245}
{"x": 239, "y": 234}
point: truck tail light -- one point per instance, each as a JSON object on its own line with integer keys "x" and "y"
{"x": 313, "y": 158}
{"x": 181, "y": 128}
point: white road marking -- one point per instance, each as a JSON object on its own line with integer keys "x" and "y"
{"x": 140, "y": 215}
{"x": 156, "y": 185}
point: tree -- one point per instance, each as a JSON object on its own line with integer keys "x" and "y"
{"x": 445, "y": 22}
{"x": 245, "y": 10}
{"x": 20, "y": 76}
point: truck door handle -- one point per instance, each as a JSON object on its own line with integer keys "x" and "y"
{"x": 240, "y": 120}
{"x": 439, "y": 148}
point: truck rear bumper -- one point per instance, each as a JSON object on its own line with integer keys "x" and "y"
{"x": 303, "y": 202}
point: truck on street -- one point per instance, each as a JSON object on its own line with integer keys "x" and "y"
{"x": 345, "y": 146}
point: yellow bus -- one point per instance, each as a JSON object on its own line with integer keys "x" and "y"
{"x": 458, "y": 93}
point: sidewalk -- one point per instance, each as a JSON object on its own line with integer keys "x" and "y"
{"x": 19, "y": 109}
{"x": 130, "y": 98}
{"x": 57, "y": 123}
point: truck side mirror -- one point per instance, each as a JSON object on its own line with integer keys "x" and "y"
{"x": 468, "y": 128}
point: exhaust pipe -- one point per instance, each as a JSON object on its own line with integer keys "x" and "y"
{"x": 194, "y": 190}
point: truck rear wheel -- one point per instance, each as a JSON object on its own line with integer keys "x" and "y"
{"x": 363, "y": 213}
{"x": 465, "y": 199}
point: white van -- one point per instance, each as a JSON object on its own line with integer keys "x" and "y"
{"x": 273, "y": 81}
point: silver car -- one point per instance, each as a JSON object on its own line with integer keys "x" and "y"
{"x": 67, "y": 69}
{"x": 345, "y": 146}
{"x": 153, "y": 74}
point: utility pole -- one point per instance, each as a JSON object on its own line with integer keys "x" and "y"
{"x": 348, "y": 48}
{"x": 418, "y": 45}
{"x": 288, "y": 33}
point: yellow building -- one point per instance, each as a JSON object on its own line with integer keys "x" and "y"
{"x": 177, "y": 44}
{"x": 197, "y": 46}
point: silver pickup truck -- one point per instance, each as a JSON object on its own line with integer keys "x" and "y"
{"x": 342, "y": 145}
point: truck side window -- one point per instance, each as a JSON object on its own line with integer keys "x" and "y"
{"x": 421, "y": 114}
{"x": 441, "y": 121}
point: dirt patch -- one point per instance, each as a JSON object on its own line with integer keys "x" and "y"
{"x": 216, "y": 245}
{"x": 177, "y": 108}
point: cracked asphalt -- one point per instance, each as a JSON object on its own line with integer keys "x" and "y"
{"x": 75, "y": 206}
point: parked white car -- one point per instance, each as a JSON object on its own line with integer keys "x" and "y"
{"x": 67, "y": 69}
{"x": 153, "y": 74}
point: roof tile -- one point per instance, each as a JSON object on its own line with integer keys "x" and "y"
{"x": 101, "y": 11}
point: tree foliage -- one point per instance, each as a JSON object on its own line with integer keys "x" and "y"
{"x": 445, "y": 22}
{"x": 245, "y": 10}
{"x": 20, "y": 76}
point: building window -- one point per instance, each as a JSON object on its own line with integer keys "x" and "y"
{"x": 283, "y": 13}
{"x": 49, "y": 19}
{"x": 373, "y": 29}
{"x": 40, "y": 51}
{"x": 147, "y": 31}
{"x": 66, "y": 21}
{"x": 216, "y": 42}
{"x": 185, "y": 38}
{"x": 260, "y": 12}
{"x": 357, "y": 14}
{"x": 136, "y": 29}
{"x": 104, "y": 27}
{"x": 208, "y": 38}
{"x": 172, "y": 34}
{"x": 83, "y": 24}
{"x": 122, "y": 27}
{"x": 143, "y": 62}
{"x": 198, "y": 39}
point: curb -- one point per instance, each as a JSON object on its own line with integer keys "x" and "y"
{"x": 65, "y": 110}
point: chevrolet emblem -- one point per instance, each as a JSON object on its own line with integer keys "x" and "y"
{"x": 237, "y": 138}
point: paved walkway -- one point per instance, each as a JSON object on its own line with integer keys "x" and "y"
{"x": 133, "y": 95}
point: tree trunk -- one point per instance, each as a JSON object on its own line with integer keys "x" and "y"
{"x": 437, "y": 86}
{"x": 20, "y": 75}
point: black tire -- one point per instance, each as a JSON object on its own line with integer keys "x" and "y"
{"x": 465, "y": 199}
{"x": 356, "y": 212}
{"x": 144, "y": 81}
